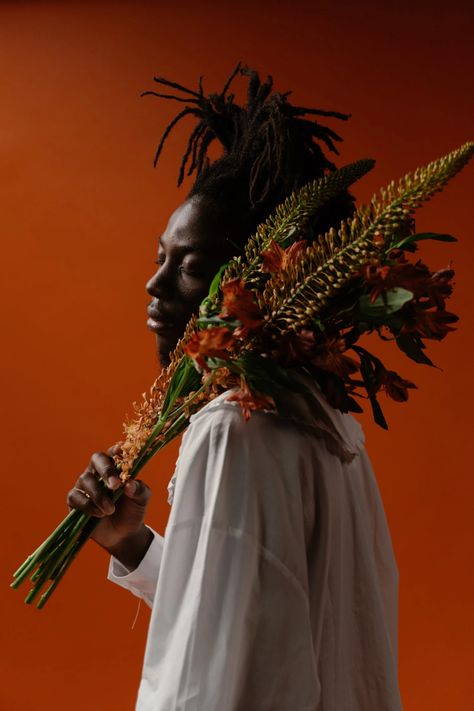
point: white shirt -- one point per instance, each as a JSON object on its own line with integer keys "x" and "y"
{"x": 275, "y": 586}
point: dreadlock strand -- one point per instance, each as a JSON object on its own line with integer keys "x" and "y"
{"x": 190, "y": 147}
{"x": 168, "y": 129}
{"x": 174, "y": 85}
{"x": 270, "y": 148}
{"x": 206, "y": 140}
{"x": 265, "y": 89}
{"x": 323, "y": 135}
{"x": 324, "y": 131}
{"x": 301, "y": 110}
{"x": 230, "y": 79}
{"x": 253, "y": 86}
{"x": 200, "y": 128}
{"x": 170, "y": 96}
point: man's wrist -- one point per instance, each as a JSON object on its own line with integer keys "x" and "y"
{"x": 131, "y": 550}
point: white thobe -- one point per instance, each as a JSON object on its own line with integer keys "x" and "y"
{"x": 275, "y": 585}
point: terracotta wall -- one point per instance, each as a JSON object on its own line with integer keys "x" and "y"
{"x": 81, "y": 208}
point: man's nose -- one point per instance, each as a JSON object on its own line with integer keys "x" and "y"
{"x": 160, "y": 284}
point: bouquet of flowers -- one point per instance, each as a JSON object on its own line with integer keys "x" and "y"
{"x": 293, "y": 302}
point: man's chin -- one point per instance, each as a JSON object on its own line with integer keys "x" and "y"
{"x": 164, "y": 358}
{"x": 164, "y": 348}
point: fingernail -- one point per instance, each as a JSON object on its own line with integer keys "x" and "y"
{"x": 113, "y": 482}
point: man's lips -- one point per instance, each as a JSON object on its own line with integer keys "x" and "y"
{"x": 158, "y": 321}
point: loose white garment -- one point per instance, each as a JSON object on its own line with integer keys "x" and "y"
{"x": 275, "y": 586}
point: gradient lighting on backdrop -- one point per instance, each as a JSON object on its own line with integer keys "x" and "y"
{"x": 82, "y": 207}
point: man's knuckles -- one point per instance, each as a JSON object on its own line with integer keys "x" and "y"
{"x": 78, "y": 498}
{"x": 138, "y": 492}
{"x": 103, "y": 464}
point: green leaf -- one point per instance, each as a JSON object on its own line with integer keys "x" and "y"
{"x": 408, "y": 241}
{"x": 215, "y": 283}
{"x": 214, "y": 363}
{"x": 381, "y": 309}
{"x": 210, "y": 300}
{"x": 205, "y": 321}
{"x": 185, "y": 378}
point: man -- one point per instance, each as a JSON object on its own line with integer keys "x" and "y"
{"x": 275, "y": 585}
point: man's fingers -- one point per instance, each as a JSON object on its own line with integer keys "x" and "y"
{"x": 88, "y": 484}
{"x": 79, "y": 498}
{"x": 105, "y": 468}
{"x": 138, "y": 491}
{"x": 115, "y": 449}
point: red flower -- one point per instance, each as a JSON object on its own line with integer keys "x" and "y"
{"x": 250, "y": 401}
{"x": 239, "y": 302}
{"x": 209, "y": 343}
{"x": 395, "y": 386}
{"x": 275, "y": 258}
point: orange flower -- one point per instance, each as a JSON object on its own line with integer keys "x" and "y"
{"x": 210, "y": 343}
{"x": 275, "y": 258}
{"x": 239, "y": 302}
{"x": 250, "y": 401}
{"x": 413, "y": 277}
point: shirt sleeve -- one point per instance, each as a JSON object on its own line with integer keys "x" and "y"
{"x": 223, "y": 565}
{"x": 143, "y": 579}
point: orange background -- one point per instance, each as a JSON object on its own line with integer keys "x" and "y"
{"x": 81, "y": 209}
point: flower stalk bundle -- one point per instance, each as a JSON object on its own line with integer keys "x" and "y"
{"x": 292, "y": 302}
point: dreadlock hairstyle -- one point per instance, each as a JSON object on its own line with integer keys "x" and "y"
{"x": 269, "y": 150}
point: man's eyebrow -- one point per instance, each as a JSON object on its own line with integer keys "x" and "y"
{"x": 185, "y": 248}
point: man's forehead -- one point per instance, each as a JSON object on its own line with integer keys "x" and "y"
{"x": 188, "y": 228}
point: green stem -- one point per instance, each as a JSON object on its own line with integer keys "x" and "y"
{"x": 46, "y": 548}
{"x": 56, "y": 560}
{"x": 151, "y": 441}
{"x": 56, "y": 553}
{"x": 46, "y": 595}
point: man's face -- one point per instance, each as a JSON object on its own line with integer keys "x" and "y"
{"x": 193, "y": 246}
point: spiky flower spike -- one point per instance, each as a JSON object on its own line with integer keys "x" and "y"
{"x": 294, "y": 286}
{"x": 398, "y": 203}
{"x": 290, "y": 220}
{"x": 295, "y": 296}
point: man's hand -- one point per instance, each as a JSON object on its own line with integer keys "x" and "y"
{"x": 121, "y": 531}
